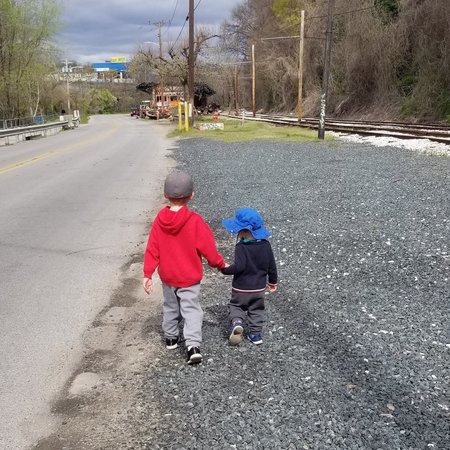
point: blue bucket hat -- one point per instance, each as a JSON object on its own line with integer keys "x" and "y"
{"x": 247, "y": 219}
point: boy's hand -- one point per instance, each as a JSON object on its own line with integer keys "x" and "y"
{"x": 272, "y": 288}
{"x": 147, "y": 284}
{"x": 226, "y": 265}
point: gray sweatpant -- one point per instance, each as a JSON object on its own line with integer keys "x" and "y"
{"x": 183, "y": 303}
{"x": 248, "y": 307}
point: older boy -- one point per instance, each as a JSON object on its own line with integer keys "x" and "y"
{"x": 178, "y": 239}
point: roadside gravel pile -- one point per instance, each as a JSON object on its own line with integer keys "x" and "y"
{"x": 417, "y": 145}
{"x": 356, "y": 347}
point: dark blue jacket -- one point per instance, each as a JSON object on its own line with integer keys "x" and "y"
{"x": 254, "y": 266}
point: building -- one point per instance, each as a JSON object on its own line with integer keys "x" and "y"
{"x": 117, "y": 64}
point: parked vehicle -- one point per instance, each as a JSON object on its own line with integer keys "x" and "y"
{"x": 163, "y": 105}
{"x": 144, "y": 109}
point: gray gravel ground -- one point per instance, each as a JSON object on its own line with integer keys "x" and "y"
{"x": 356, "y": 347}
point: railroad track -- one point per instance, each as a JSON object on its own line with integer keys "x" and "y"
{"x": 433, "y": 132}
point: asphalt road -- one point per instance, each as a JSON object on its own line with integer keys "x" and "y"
{"x": 71, "y": 207}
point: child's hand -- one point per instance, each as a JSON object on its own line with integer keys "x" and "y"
{"x": 226, "y": 265}
{"x": 147, "y": 284}
{"x": 272, "y": 288}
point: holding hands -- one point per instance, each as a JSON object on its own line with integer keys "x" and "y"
{"x": 147, "y": 284}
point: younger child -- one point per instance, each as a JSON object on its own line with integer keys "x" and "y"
{"x": 178, "y": 239}
{"x": 253, "y": 271}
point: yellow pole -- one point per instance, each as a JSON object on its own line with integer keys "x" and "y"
{"x": 186, "y": 115}
{"x": 180, "y": 117}
{"x": 253, "y": 82}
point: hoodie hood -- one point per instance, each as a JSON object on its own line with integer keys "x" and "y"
{"x": 173, "y": 221}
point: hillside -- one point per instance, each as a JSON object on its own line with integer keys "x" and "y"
{"x": 389, "y": 58}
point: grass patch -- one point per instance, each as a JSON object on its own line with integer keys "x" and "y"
{"x": 236, "y": 131}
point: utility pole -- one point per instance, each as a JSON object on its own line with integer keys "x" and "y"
{"x": 67, "y": 86}
{"x": 191, "y": 62}
{"x": 159, "y": 25}
{"x": 253, "y": 82}
{"x": 162, "y": 81}
{"x": 326, "y": 70}
{"x": 236, "y": 88}
{"x": 300, "y": 67}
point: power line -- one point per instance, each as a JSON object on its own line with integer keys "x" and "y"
{"x": 290, "y": 37}
{"x": 317, "y": 17}
{"x": 179, "y": 34}
{"x": 353, "y": 11}
{"x": 173, "y": 14}
{"x": 342, "y": 13}
{"x": 182, "y": 28}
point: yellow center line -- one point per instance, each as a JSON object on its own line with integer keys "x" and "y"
{"x": 26, "y": 162}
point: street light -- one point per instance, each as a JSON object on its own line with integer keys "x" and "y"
{"x": 158, "y": 45}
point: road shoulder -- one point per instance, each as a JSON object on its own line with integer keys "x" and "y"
{"x": 119, "y": 348}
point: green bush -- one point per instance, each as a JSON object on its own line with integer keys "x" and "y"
{"x": 102, "y": 102}
{"x": 445, "y": 105}
{"x": 406, "y": 84}
{"x": 409, "y": 107}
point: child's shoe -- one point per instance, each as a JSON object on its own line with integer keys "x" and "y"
{"x": 255, "y": 338}
{"x": 171, "y": 343}
{"x": 194, "y": 356}
{"x": 236, "y": 332}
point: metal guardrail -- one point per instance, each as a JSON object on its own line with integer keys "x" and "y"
{"x": 16, "y": 134}
{"x": 6, "y": 124}
{"x": 32, "y": 128}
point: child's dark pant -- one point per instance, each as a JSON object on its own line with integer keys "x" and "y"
{"x": 248, "y": 307}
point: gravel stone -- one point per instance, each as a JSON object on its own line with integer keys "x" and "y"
{"x": 356, "y": 347}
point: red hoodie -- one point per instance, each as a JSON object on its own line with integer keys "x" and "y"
{"x": 177, "y": 242}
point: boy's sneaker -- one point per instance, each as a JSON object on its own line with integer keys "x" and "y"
{"x": 171, "y": 343}
{"x": 193, "y": 355}
{"x": 255, "y": 338}
{"x": 236, "y": 332}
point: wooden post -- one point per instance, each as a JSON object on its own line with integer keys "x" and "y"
{"x": 300, "y": 67}
{"x": 253, "y": 82}
{"x": 236, "y": 88}
{"x": 160, "y": 39}
{"x": 67, "y": 87}
{"x": 326, "y": 71}
{"x": 191, "y": 59}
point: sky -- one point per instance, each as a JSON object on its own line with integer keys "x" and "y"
{"x": 97, "y": 30}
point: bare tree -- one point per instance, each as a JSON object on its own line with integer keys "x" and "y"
{"x": 390, "y": 57}
{"x": 171, "y": 69}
